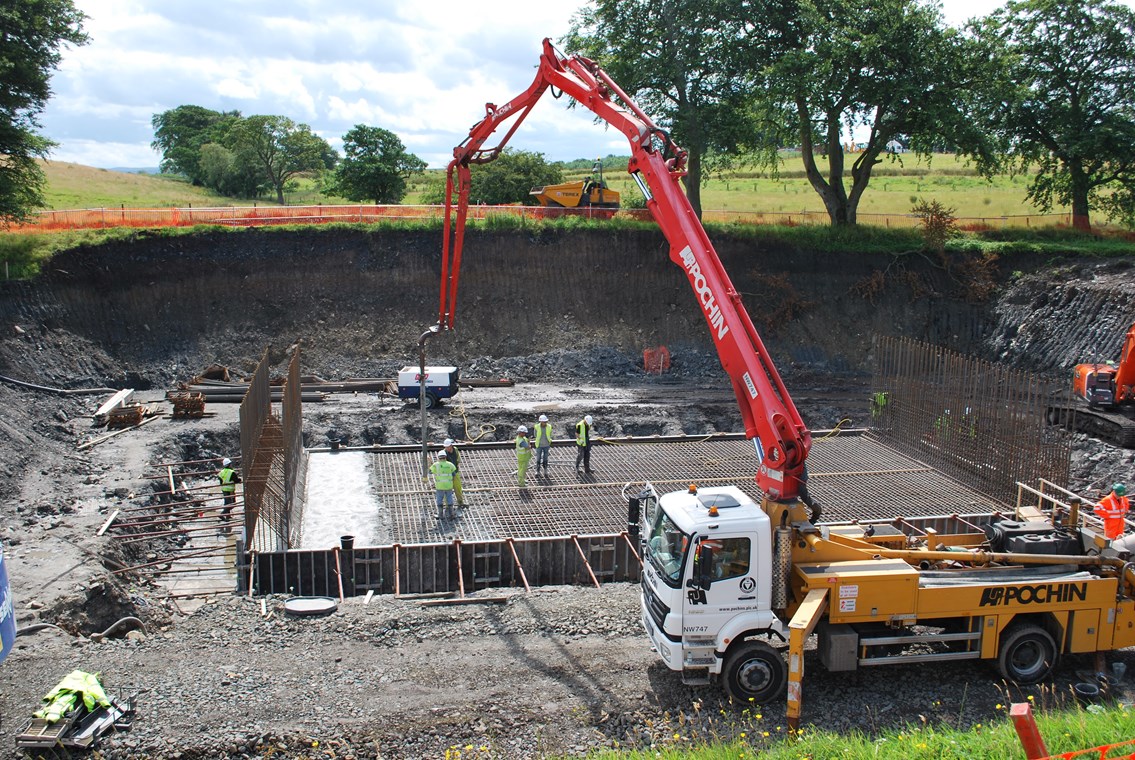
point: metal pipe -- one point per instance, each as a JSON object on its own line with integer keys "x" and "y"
{"x": 460, "y": 572}
{"x": 519, "y": 567}
{"x": 585, "y": 562}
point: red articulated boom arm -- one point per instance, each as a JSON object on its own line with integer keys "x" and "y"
{"x": 1125, "y": 372}
{"x": 657, "y": 166}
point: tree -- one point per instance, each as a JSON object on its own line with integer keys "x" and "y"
{"x": 32, "y": 32}
{"x": 222, "y": 171}
{"x": 375, "y": 166}
{"x": 280, "y": 148}
{"x": 833, "y": 69}
{"x": 1066, "y": 104}
{"x": 511, "y": 177}
{"x": 180, "y": 133}
{"x": 680, "y": 61}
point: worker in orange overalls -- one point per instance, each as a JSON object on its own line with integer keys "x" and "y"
{"x": 1113, "y": 508}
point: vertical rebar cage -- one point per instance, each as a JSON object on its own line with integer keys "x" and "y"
{"x": 980, "y": 422}
{"x": 272, "y": 460}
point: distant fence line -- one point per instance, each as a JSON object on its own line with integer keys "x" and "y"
{"x": 254, "y": 216}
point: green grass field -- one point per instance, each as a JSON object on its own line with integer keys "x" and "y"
{"x": 896, "y": 185}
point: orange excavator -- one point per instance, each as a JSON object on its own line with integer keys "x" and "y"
{"x": 1108, "y": 390}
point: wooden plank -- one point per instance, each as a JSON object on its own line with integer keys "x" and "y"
{"x": 465, "y": 600}
{"x": 117, "y": 400}
{"x": 108, "y": 436}
{"x": 109, "y": 520}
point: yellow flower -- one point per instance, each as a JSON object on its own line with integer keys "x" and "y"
{"x": 764, "y": 734}
{"x": 468, "y": 747}
{"x": 1032, "y": 698}
{"x": 1000, "y": 707}
{"x": 759, "y": 716}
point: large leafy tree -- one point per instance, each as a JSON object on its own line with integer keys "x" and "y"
{"x": 180, "y": 133}
{"x": 1066, "y": 102}
{"x": 279, "y": 148}
{"x": 511, "y": 177}
{"x": 877, "y": 70}
{"x": 680, "y": 60}
{"x": 32, "y": 33}
{"x": 375, "y": 166}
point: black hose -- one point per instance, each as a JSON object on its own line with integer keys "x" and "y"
{"x": 63, "y": 391}
{"x": 37, "y": 627}
{"x": 130, "y": 621}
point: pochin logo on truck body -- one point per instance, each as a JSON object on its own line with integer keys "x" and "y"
{"x": 1041, "y": 593}
{"x": 705, "y": 295}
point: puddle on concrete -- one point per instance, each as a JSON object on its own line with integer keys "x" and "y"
{"x": 341, "y": 500}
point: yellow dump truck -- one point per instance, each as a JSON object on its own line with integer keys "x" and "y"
{"x": 724, "y": 576}
{"x": 589, "y": 193}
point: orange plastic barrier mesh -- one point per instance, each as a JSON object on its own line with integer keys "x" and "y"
{"x": 656, "y": 360}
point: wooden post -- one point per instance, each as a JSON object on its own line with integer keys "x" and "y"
{"x": 1021, "y": 713}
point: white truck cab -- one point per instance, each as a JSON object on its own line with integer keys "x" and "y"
{"x": 706, "y": 590}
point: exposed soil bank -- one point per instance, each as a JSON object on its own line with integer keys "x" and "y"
{"x": 164, "y": 307}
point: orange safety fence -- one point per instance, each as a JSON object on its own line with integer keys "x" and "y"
{"x": 655, "y": 361}
{"x": 246, "y": 216}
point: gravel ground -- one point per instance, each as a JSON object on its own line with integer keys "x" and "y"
{"x": 559, "y": 671}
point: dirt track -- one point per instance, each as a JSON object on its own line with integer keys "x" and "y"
{"x": 563, "y": 670}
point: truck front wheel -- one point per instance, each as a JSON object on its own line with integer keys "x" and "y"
{"x": 1028, "y": 654}
{"x": 754, "y": 671}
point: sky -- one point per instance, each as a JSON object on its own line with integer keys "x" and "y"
{"x": 423, "y": 70}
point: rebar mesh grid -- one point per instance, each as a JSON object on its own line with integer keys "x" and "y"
{"x": 979, "y": 421}
{"x": 853, "y": 476}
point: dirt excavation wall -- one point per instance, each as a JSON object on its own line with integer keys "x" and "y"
{"x": 161, "y": 308}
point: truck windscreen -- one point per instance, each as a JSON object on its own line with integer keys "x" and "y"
{"x": 666, "y": 548}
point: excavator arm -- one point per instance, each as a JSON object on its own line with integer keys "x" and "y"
{"x": 657, "y": 165}
{"x": 1125, "y": 372}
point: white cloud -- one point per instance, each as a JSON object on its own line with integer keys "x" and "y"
{"x": 421, "y": 70}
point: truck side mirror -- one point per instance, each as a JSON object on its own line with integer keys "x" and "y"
{"x": 705, "y": 567}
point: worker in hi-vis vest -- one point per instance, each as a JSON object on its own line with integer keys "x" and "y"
{"x": 523, "y": 455}
{"x": 443, "y": 470}
{"x": 229, "y": 477}
{"x": 542, "y": 439}
{"x": 583, "y": 444}
{"x": 1113, "y": 508}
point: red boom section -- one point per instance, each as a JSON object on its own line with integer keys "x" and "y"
{"x": 657, "y": 165}
{"x": 1125, "y": 373}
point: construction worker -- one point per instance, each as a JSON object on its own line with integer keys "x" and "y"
{"x": 443, "y": 470}
{"x": 1113, "y": 508}
{"x": 454, "y": 458}
{"x": 523, "y": 454}
{"x": 583, "y": 444}
{"x": 542, "y": 438}
{"x": 229, "y": 478}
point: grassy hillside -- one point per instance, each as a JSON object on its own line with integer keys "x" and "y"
{"x": 897, "y": 184}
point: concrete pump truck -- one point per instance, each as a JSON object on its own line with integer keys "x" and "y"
{"x": 723, "y": 575}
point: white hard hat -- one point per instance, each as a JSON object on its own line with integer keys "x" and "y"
{"x": 448, "y": 442}
{"x": 543, "y": 418}
{"x": 587, "y": 419}
{"x": 226, "y": 462}
{"x": 522, "y": 429}
{"x": 441, "y": 455}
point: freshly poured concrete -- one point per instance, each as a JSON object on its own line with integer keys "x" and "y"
{"x": 341, "y": 500}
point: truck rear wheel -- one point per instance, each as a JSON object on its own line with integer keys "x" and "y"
{"x": 1027, "y": 654}
{"x": 754, "y": 671}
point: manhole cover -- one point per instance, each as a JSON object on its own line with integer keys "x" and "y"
{"x": 310, "y": 605}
